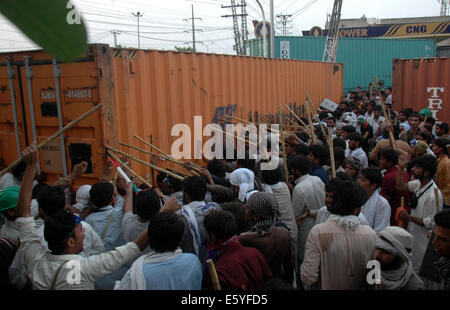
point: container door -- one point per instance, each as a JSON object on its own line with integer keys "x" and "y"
{"x": 12, "y": 126}
{"x": 55, "y": 95}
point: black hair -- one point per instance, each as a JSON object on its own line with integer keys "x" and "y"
{"x": 343, "y": 176}
{"x": 8, "y": 216}
{"x": 349, "y": 196}
{"x": 333, "y": 185}
{"x": 51, "y": 199}
{"x": 221, "y": 224}
{"x": 444, "y": 127}
{"x": 355, "y": 136}
{"x": 405, "y": 111}
{"x": 428, "y": 163}
{"x": 349, "y": 128}
{"x": 195, "y": 187}
{"x": 272, "y": 176}
{"x": 332, "y": 118}
{"x": 378, "y": 108}
{"x": 321, "y": 152}
{"x": 19, "y": 170}
{"x": 216, "y": 167}
{"x": 277, "y": 284}
{"x": 101, "y": 194}
{"x": 147, "y": 204}
{"x": 389, "y": 154}
{"x": 323, "y": 115}
{"x": 303, "y": 136}
{"x": 36, "y": 189}
{"x": 160, "y": 177}
{"x": 414, "y": 114}
{"x": 442, "y": 219}
{"x": 165, "y": 232}
{"x": 300, "y": 162}
{"x": 339, "y": 142}
{"x": 430, "y": 120}
{"x": 174, "y": 183}
{"x": 428, "y": 127}
{"x": 373, "y": 175}
{"x": 302, "y": 149}
{"x": 426, "y": 136}
{"x": 57, "y": 229}
{"x": 247, "y": 162}
{"x": 339, "y": 155}
{"x": 442, "y": 143}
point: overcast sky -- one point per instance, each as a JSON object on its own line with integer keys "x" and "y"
{"x": 163, "y": 26}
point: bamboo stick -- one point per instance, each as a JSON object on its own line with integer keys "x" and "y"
{"x": 315, "y": 114}
{"x": 388, "y": 122}
{"x": 141, "y": 150}
{"x": 145, "y": 163}
{"x": 313, "y": 135}
{"x": 284, "y": 150}
{"x": 54, "y": 136}
{"x": 402, "y": 206}
{"x": 213, "y": 274}
{"x": 436, "y": 198}
{"x": 330, "y": 144}
{"x": 116, "y": 158}
{"x": 299, "y": 119}
{"x": 239, "y": 119}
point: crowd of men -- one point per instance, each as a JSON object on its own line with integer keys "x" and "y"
{"x": 315, "y": 228}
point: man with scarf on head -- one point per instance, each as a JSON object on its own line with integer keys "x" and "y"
{"x": 337, "y": 251}
{"x": 273, "y": 242}
{"x": 242, "y": 186}
{"x": 353, "y": 167}
{"x": 394, "y": 254}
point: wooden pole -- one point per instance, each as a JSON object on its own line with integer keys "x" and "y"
{"x": 286, "y": 175}
{"x": 436, "y": 198}
{"x": 330, "y": 144}
{"x": 299, "y": 119}
{"x": 152, "y": 171}
{"x": 167, "y": 156}
{"x": 116, "y": 158}
{"x": 315, "y": 113}
{"x": 402, "y": 206}
{"x": 313, "y": 135}
{"x": 388, "y": 122}
{"x": 54, "y": 136}
{"x": 145, "y": 163}
{"x": 213, "y": 274}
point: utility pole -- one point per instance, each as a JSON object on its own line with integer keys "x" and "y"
{"x": 283, "y": 20}
{"x": 237, "y": 33}
{"x": 115, "y": 33}
{"x": 138, "y": 15}
{"x": 193, "y": 28}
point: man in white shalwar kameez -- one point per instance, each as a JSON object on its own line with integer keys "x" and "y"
{"x": 421, "y": 219}
{"x": 308, "y": 197}
{"x": 377, "y": 209}
{"x": 337, "y": 251}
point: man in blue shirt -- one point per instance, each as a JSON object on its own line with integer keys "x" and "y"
{"x": 166, "y": 267}
{"x": 319, "y": 156}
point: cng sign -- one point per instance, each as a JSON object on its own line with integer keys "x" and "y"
{"x": 284, "y": 50}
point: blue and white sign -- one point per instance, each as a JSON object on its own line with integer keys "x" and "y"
{"x": 284, "y": 50}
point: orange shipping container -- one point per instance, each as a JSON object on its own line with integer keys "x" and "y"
{"x": 422, "y": 83}
{"x": 144, "y": 93}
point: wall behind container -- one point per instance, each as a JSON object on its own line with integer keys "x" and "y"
{"x": 422, "y": 83}
{"x": 155, "y": 90}
{"x": 363, "y": 59}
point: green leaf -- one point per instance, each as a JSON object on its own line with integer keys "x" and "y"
{"x": 55, "y": 25}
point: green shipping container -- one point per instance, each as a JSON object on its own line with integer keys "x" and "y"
{"x": 363, "y": 59}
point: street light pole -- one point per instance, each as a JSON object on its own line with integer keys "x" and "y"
{"x": 272, "y": 31}
{"x": 138, "y": 15}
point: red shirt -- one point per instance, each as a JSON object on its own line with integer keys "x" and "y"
{"x": 239, "y": 267}
{"x": 392, "y": 195}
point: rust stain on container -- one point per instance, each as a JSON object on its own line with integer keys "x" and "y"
{"x": 147, "y": 92}
{"x": 422, "y": 83}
